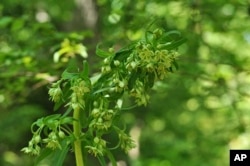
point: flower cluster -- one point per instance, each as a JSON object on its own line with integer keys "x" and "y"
{"x": 55, "y": 92}
{"x": 151, "y": 60}
{"x": 139, "y": 93}
{"x": 53, "y": 132}
{"x": 52, "y": 142}
{"x": 79, "y": 89}
{"x": 101, "y": 118}
{"x": 98, "y": 147}
{"x": 126, "y": 142}
{"x": 33, "y": 147}
{"x": 148, "y": 63}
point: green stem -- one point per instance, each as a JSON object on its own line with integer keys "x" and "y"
{"x": 77, "y": 143}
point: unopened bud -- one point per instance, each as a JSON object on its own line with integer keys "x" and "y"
{"x": 117, "y": 63}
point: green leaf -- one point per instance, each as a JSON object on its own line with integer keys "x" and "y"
{"x": 67, "y": 112}
{"x": 68, "y": 76}
{"x": 111, "y": 158}
{"x": 151, "y": 80}
{"x": 58, "y": 105}
{"x": 169, "y": 36}
{"x": 102, "y": 90}
{"x": 66, "y": 120}
{"x": 132, "y": 80}
{"x": 85, "y": 72}
{"x": 59, "y": 155}
{"x": 175, "y": 64}
{"x": 101, "y": 53}
{"x": 124, "y": 53}
{"x": 5, "y": 21}
{"x": 43, "y": 155}
{"x": 71, "y": 70}
{"x": 101, "y": 160}
{"x": 174, "y": 44}
{"x": 53, "y": 157}
{"x": 52, "y": 117}
{"x": 52, "y": 121}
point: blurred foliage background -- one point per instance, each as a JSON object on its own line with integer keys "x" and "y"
{"x": 195, "y": 116}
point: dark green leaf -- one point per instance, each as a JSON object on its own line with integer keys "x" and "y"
{"x": 45, "y": 153}
{"x": 54, "y": 157}
{"x": 175, "y": 64}
{"x": 111, "y": 158}
{"x": 52, "y": 117}
{"x": 122, "y": 55}
{"x": 66, "y": 120}
{"x": 5, "y": 21}
{"x": 59, "y": 155}
{"x": 132, "y": 80}
{"x": 68, "y": 76}
{"x": 84, "y": 74}
{"x": 67, "y": 112}
{"x": 174, "y": 44}
{"x": 101, "y": 160}
{"x": 169, "y": 36}
{"x": 151, "y": 79}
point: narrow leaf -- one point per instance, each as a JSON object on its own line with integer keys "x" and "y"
{"x": 101, "y": 53}
{"x": 85, "y": 72}
{"x": 101, "y": 160}
{"x": 111, "y": 158}
{"x": 45, "y": 153}
{"x": 59, "y": 155}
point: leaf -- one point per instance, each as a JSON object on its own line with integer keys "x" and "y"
{"x": 59, "y": 155}
{"x": 53, "y": 157}
{"x": 175, "y": 65}
{"x": 102, "y": 90}
{"x": 58, "y": 105}
{"x": 174, "y": 44}
{"x": 66, "y": 120}
{"x": 43, "y": 155}
{"x": 132, "y": 80}
{"x": 5, "y": 21}
{"x": 52, "y": 121}
{"x": 52, "y": 117}
{"x": 151, "y": 80}
{"x": 111, "y": 158}
{"x": 101, "y": 160}
{"x": 68, "y": 76}
{"x": 85, "y": 72}
{"x": 169, "y": 36}
{"x": 124, "y": 52}
{"x": 67, "y": 112}
{"x": 101, "y": 53}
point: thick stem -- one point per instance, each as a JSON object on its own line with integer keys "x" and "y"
{"x": 77, "y": 143}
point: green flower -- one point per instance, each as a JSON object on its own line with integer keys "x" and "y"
{"x": 55, "y": 93}
{"x": 32, "y": 149}
{"x": 126, "y": 142}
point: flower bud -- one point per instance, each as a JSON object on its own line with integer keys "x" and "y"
{"x": 96, "y": 140}
{"x": 106, "y": 61}
{"x": 61, "y": 134}
{"x": 95, "y": 112}
{"x": 111, "y": 49}
{"x": 121, "y": 84}
{"x": 37, "y": 139}
{"x": 117, "y": 63}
